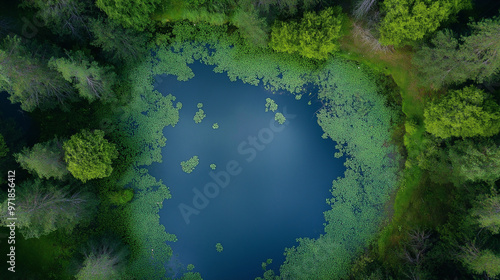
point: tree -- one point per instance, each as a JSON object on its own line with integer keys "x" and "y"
{"x": 89, "y": 155}
{"x": 104, "y": 260}
{"x": 463, "y": 113}
{"x": 62, "y": 16}
{"x": 129, "y": 13}
{"x": 480, "y": 51}
{"x": 4, "y": 150}
{"x": 440, "y": 64}
{"x": 452, "y": 61}
{"x": 475, "y": 160}
{"x": 251, "y": 26}
{"x": 122, "y": 45}
{"x": 24, "y": 74}
{"x": 315, "y": 36}
{"x": 407, "y": 21}
{"x": 42, "y": 208}
{"x": 90, "y": 79}
{"x": 44, "y": 159}
{"x": 481, "y": 261}
{"x": 487, "y": 213}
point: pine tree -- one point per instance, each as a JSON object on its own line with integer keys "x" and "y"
{"x": 44, "y": 159}
{"x": 25, "y": 75}
{"x": 42, "y": 208}
{"x": 90, "y": 79}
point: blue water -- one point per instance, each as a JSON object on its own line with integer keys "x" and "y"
{"x": 272, "y": 192}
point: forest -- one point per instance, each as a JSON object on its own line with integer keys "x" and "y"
{"x": 409, "y": 92}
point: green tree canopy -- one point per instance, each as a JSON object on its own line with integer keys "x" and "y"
{"x": 64, "y": 17}
{"x": 120, "y": 44}
{"x": 315, "y": 36}
{"x": 25, "y": 75}
{"x": 104, "y": 260}
{"x": 481, "y": 261}
{"x": 42, "y": 208}
{"x": 480, "y": 51}
{"x": 487, "y": 213}
{"x": 129, "y": 13}
{"x": 407, "y": 21}
{"x": 251, "y": 27}
{"x": 475, "y": 160}
{"x": 44, "y": 159}
{"x": 90, "y": 79}
{"x": 89, "y": 155}
{"x": 463, "y": 113}
{"x": 452, "y": 61}
{"x": 4, "y": 150}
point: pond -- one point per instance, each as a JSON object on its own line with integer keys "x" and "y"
{"x": 269, "y": 185}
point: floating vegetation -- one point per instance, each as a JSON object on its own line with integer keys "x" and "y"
{"x": 219, "y": 247}
{"x": 271, "y": 105}
{"x": 189, "y": 165}
{"x": 280, "y": 118}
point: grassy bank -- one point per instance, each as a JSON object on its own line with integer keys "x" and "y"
{"x": 417, "y": 203}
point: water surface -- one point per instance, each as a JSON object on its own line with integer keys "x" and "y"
{"x": 275, "y": 187}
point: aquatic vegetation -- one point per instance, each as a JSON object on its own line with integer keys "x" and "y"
{"x": 219, "y": 247}
{"x": 199, "y": 116}
{"x": 189, "y": 165}
{"x": 280, "y": 118}
{"x": 213, "y": 166}
{"x": 215, "y": 126}
{"x": 354, "y": 116}
{"x": 271, "y": 105}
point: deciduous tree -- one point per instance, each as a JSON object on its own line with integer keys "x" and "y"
{"x": 89, "y": 155}
{"x": 407, "y": 21}
{"x": 463, "y": 113}
{"x": 315, "y": 36}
